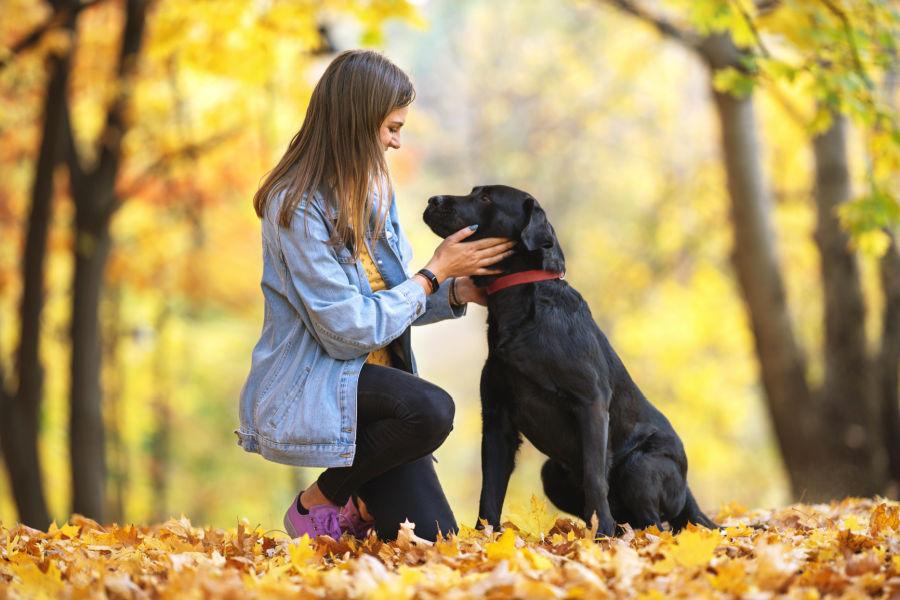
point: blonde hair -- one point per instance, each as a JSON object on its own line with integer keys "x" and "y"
{"x": 338, "y": 147}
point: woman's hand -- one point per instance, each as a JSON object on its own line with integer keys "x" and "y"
{"x": 453, "y": 258}
{"x": 467, "y": 291}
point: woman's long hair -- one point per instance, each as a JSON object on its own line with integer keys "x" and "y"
{"x": 338, "y": 148}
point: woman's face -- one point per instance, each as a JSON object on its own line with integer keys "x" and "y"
{"x": 389, "y": 133}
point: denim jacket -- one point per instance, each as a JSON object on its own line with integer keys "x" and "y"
{"x": 321, "y": 319}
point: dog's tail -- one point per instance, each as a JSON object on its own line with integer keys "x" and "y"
{"x": 691, "y": 513}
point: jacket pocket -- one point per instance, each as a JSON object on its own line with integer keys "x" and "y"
{"x": 272, "y": 409}
{"x": 274, "y": 373}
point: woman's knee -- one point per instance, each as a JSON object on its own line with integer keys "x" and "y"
{"x": 434, "y": 413}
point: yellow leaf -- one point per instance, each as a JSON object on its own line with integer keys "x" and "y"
{"x": 11, "y": 549}
{"x": 536, "y": 561}
{"x": 302, "y": 553}
{"x": 447, "y": 547}
{"x": 851, "y": 523}
{"x": 504, "y": 547}
{"x": 692, "y": 548}
{"x": 885, "y": 517}
{"x": 70, "y": 531}
{"x": 468, "y": 533}
{"x": 731, "y": 578}
{"x": 37, "y": 585}
{"x": 535, "y": 520}
{"x": 739, "y": 530}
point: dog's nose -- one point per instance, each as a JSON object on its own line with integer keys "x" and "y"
{"x": 435, "y": 201}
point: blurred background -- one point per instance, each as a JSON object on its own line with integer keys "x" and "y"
{"x": 722, "y": 175}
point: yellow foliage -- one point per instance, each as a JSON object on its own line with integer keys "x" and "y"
{"x": 758, "y": 553}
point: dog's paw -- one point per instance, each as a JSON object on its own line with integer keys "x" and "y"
{"x": 602, "y": 527}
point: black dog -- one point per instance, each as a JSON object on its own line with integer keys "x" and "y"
{"x": 552, "y": 375}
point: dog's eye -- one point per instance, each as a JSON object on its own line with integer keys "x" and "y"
{"x": 485, "y": 198}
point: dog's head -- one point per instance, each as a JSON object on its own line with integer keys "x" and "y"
{"x": 500, "y": 211}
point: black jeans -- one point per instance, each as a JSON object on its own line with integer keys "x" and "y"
{"x": 400, "y": 420}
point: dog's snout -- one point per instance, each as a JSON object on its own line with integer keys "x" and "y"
{"x": 436, "y": 201}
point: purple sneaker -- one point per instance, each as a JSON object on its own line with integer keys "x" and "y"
{"x": 321, "y": 520}
{"x": 352, "y": 522}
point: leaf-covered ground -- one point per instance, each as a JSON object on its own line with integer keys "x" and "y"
{"x": 847, "y": 549}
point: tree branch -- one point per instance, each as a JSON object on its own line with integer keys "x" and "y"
{"x": 77, "y": 175}
{"x": 848, "y": 33}
{"x": 663, "y": 26}
{"x": 165, "y": 160}
{"x": 59, "y": 18}
{"x": 750, "y": 24}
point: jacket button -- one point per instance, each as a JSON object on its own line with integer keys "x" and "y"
{"x": 346, "y": 455}
{"x": 348, "y": 429}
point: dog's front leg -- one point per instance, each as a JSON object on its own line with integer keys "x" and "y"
{"x": 499, "y": 442}
{"x": 594, "y": 423}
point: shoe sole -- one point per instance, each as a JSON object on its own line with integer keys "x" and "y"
{"x": 288, "y": 525}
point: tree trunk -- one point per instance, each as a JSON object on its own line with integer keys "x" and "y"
{"x": 850, "y": 432}
{"x": 20, "y": 412}
{"x": 115, "y": 420}
{"x": 889, "y": 361}
{"x": 162, "y": 420}
{"x": 95, "y": 202}
{"x": 86, "y": 437}
{"x": 829, "y": 447}
{"x": 782, "y": 365}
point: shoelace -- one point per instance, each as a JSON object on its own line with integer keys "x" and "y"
{"x": 326, "y": 522}
{"x": 353, "y": 524}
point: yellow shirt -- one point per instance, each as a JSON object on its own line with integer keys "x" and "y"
{"x": 380, "y": 356}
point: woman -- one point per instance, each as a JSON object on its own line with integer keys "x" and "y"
{"x": 332, "y": 381}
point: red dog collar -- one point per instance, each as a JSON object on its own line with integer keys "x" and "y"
{"x": 520, "y": 278}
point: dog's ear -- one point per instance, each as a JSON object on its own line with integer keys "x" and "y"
{"x": 537, "y": 233}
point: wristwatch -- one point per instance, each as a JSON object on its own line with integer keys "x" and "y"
{"x": 431, "y": 278}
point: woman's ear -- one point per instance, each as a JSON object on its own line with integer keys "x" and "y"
{"x": 536, "y": 233}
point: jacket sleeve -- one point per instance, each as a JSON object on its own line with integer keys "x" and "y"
{"x": 347, "y": 323}
{"x": 437, "y": 306}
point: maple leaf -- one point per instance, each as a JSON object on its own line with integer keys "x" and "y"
{"x": 37, "y": 585}
{"x": 536, "y": 560}
{"x": 127, "y": 536}
{"x": 503, "y": 548}
{"x": 731, "y": 577}
{"x": 693, "y": 548}
{"x": 70, "y": 531}
{"x": 302, "y": 553}
{"x": 448, "y": 547}
{"x": 885, "y": 518}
